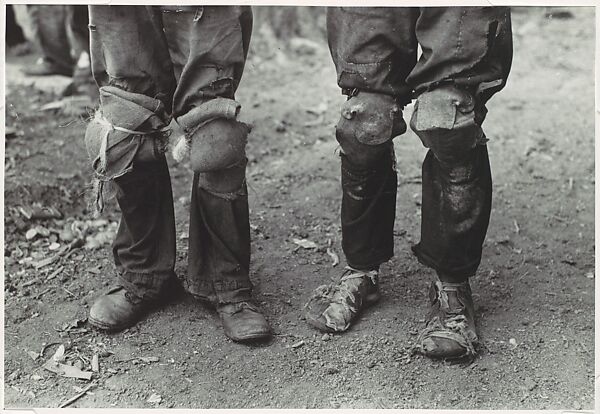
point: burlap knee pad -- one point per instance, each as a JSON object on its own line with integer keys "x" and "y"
{"x": 213, "y": 138}
{"x": 129, "y": 127}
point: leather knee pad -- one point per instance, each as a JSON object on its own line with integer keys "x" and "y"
{"x": 448, "y": 121}
{"x": 367, "y": 126}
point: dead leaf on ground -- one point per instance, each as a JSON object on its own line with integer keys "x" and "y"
{"x": 33, "y": 355}
{"x": 305, "y": 243}
{"x": 99, "y": 223}
{"x": 67, "y": 371}
{"x": 95, "y": 364}
{"x": 44, "y": 262}
{"x": 59, "y": 354}
{"x": 74, "y": 324}
{"x": 298, "y": 344}
{"x": 334, "y": 257}
{"x": 154, "y": 399}
{"x": 31, "y": 233}
{"x": 40, "y": 212}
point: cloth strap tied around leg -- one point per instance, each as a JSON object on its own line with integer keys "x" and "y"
{"x": 114, "y": 136}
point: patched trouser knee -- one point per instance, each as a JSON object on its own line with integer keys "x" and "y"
{"x": 367, "y": 126}
{"x": 128, "y": 128}
{"x": 226, "y": 183}
{"x": 457, "y": 184}
{"x": 448, "y": 121}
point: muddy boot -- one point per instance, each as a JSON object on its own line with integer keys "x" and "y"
{"x": 243, "y": 322}
{"x": 333, "y": 307}
{"x": 118, "y": 310}
{"x": 450, "y": 332}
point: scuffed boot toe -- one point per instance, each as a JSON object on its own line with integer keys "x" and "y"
{"x": 333, "y": 308}
{"x": 243, "y": 322}
{"x": 450, "y": 332}
{"x": 117, "y": 310}
{"x": 444, "y": 348}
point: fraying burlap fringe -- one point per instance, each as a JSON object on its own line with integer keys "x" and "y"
{"x": 182, "y": 148}
{"x": 102, "y": 186}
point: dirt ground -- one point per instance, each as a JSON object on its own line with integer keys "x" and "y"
{"x": 534, "y": 291}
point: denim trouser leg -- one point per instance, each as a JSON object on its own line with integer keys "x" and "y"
{"x": 368, "y": 211}
{"x": 374, "y": 50}
{"x": 182, "y": 56}
{"x": 456, "y": 206}
{"x": 144, "y": 247}
{"x": 208, "y": 48}
{"x": 219, "y": 247}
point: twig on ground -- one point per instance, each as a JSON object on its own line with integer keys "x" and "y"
{"x": 555, "y": 217}
{"x": 55, "y": 273}
{"x": 70, "y": 293}
{"x": 76, "y": 397}
{"x": 39, "y": 295}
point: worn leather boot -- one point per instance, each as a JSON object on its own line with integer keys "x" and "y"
{"x": 333, "y": 308}
{"x": 118, "y": 310}
{"x": 243, "y": 322}
{"x": 450, "y": 332}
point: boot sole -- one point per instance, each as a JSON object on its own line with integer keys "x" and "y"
{"x": 95, "y": 323}
{"x": 263, "y": 336}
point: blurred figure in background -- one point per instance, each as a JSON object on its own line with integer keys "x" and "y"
{"x": 14, "y": 33}
{"x": 61, "y": 32}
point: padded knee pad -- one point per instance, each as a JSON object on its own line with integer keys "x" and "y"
{"x": 368, "y": 123}
{"x": 227, "y": 183}
{"x": 213, "y": 137}
{"x": 128, "y": 126}
{"x": 446, "y": 121}
{"x": 218, "y": 145}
